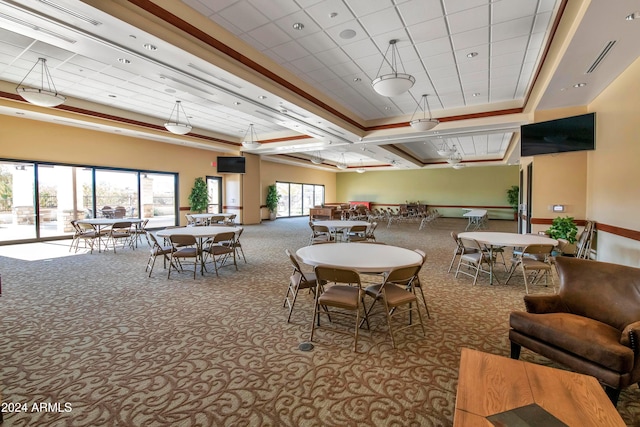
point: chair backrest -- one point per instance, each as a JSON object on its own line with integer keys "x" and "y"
{"x": 537, "y": 250}
{"x": 216, "y": 218}
{"x": 422, "y": 253}
{"x": 358, "y": 229}
{"x": 84, "y": 227}
{"x": 227, "y": 236}
{"x": 182, "y": 240}
{"x": 295, "y": 264}
{"x": 152, "y": 240}
{"x": 323, "y": 229}
{"x": 336, "y": 275}
{"x": 607, "y": 292}
{"x": 121, "y": 225}
{"x": 76, "y": 228}
{"x": 120, "y": 212}
{"x": 469, "y": 245}
{"x": 403, "y": 275}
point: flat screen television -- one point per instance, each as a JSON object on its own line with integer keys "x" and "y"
{"x": 575, "y": 133}
{"x": 231, "y": 164}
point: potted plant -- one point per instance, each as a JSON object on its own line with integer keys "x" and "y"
{"x": 199, "y": 198}
{"x": 513, "y": 197}
{"x": 272, "y": 201}
{"x": 564, "y": 230}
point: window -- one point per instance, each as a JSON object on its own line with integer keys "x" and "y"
{"x": 296, "y": 199}
{"x": 39, "y": 200}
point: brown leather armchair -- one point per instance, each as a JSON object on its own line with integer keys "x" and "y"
{"x": 592, "y": 325}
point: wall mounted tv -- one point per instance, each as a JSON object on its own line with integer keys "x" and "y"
{"x": 231, "y": 164}
{"x": 575, "y": 133}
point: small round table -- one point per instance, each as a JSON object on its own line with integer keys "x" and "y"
{"x": 361, "y": 257}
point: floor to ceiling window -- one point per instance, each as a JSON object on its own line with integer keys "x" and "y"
{"x": 39, "y": 200}
{"x": 214, "y": 189}
{"x": 296, "y": 199}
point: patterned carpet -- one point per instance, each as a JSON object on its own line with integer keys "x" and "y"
{"x": 104, "y": 345}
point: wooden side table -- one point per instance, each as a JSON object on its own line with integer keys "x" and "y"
{"x": 490, "y": 384}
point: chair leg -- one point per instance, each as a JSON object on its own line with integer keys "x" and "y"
{"x": 455, "y": 254}
{"x": 524, "y": 274}
{"x": 515, "y": 350}
{"x": 424, "y": 301}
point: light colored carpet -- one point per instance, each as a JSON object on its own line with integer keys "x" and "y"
{"x": 121, "y": 349}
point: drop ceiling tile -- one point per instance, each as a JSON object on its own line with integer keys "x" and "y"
{"x": 322, "y": 13}
{"x": 478, "y": 76}
{"x": 468, "y": 20}
{"x": 364, "y": 7}
{"x": 244, "y": 16}
{"x": 433, "y": 47}
{"x": 514, "y": 45}
{"x": 212, "y": 6}
{"x": 276, "y": 9}
{"x": 381, "y": 22}
{"x": 317, "y": 42}
{"x": 418, "y": 11}
{"x": 513, "y": 9}
{"x": 334, "y": 32}
{"x": 345, "y": 69}
{"x": 286, "y": 24}
{"x": 542, "y": 22}
{"x": 457, "y": 6}
{"x": 224, "y": 23}
{"x": 360, "y": 49}
{"x": 270, "y": 35}
{"x": 469, "y": 39}
{"x": 332, "y": 56}
{"x": 430, "y": 30}
{"x": 510, "y": 59}
{"x": 440, "y": 60}
{"x": 290, "y": 51}
{"x": 511, "y": 29}
{"x": 322, "y": 75}
{"x": 307, "y": 64}
{"x": 202, "y": 8}
{"x": 547, "y": 5}
{"x": 252, "y": 42}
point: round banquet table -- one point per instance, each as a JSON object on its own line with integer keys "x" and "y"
{"x": 361, "y": 257}
{"x": 339, "y": 224}
{"x": 200, "y": 233}
{"x": 498, "y": 239}
{"x": 99, "y": 223}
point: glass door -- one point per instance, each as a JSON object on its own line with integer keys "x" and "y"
{"x": 17, "y": 201}
{"x": 214, "y": 188}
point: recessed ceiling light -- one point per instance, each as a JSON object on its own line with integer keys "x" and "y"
{"x": 298, "y": 26}
{"x": 124, "y": 61}
{"x": 333, "y": 14}
{"x": 579, "y": 85}
{"x": 347, "y": 34}
{"x": 476, "y": 94}
{"x": 170, "y": 90}
{"x": 472, "y": 54}
{"x": 236, "y": 103}
{"x": 357, "y": 79}
{"x": 634, "y": 15}
{"x": 262, "y": 97}
{"x": 112, "y": 96}
{"x": 150, "y": 46}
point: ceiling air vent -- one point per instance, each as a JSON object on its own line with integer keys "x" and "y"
{"x": 600, "y": 58}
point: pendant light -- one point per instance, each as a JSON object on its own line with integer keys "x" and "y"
{"x": 342, "y": 165}
{"x": 175, "y": 126}
{"x": 44, "y": 97}
{"x": 445, "y": 151}
{"x": 423, "y": 124}
{"x": 250, "y": 140}
{"x": 394, "y": 83}
{"x": 316, "y": 159}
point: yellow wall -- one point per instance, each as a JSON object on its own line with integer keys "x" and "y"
{"x": 471, "y": 186}
{"x": 613, "y": 183}
{"x": 23, "y": 139}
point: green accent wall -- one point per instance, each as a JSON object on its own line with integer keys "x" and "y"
{"x": 471, "y": 186}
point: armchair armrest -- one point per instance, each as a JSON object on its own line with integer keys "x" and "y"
{"x": 544, "y": 304}
{"x": 630, "y": 335}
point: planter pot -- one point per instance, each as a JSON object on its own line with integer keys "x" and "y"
{"x": 272, "y": 216}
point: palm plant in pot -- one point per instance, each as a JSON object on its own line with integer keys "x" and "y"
{"x": 272, "y": 201}
{"x": 513, "y": 197}
{"x": 199, "y": 198}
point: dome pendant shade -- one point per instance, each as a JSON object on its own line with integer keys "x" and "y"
{"x": 175, "y": 125}
{"x": 250, "y": 140}
{"x": 316, "y": 159}
{"x": 424, "y": 124}
{"x": 43, "y": 97}
{"x": 394, "y": 83}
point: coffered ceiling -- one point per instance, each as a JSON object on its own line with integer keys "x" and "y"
{"x": 301, "y": 71}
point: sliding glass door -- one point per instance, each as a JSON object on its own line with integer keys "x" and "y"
{"x": 296, "y": 199}
{"x": 39, "y": 200}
